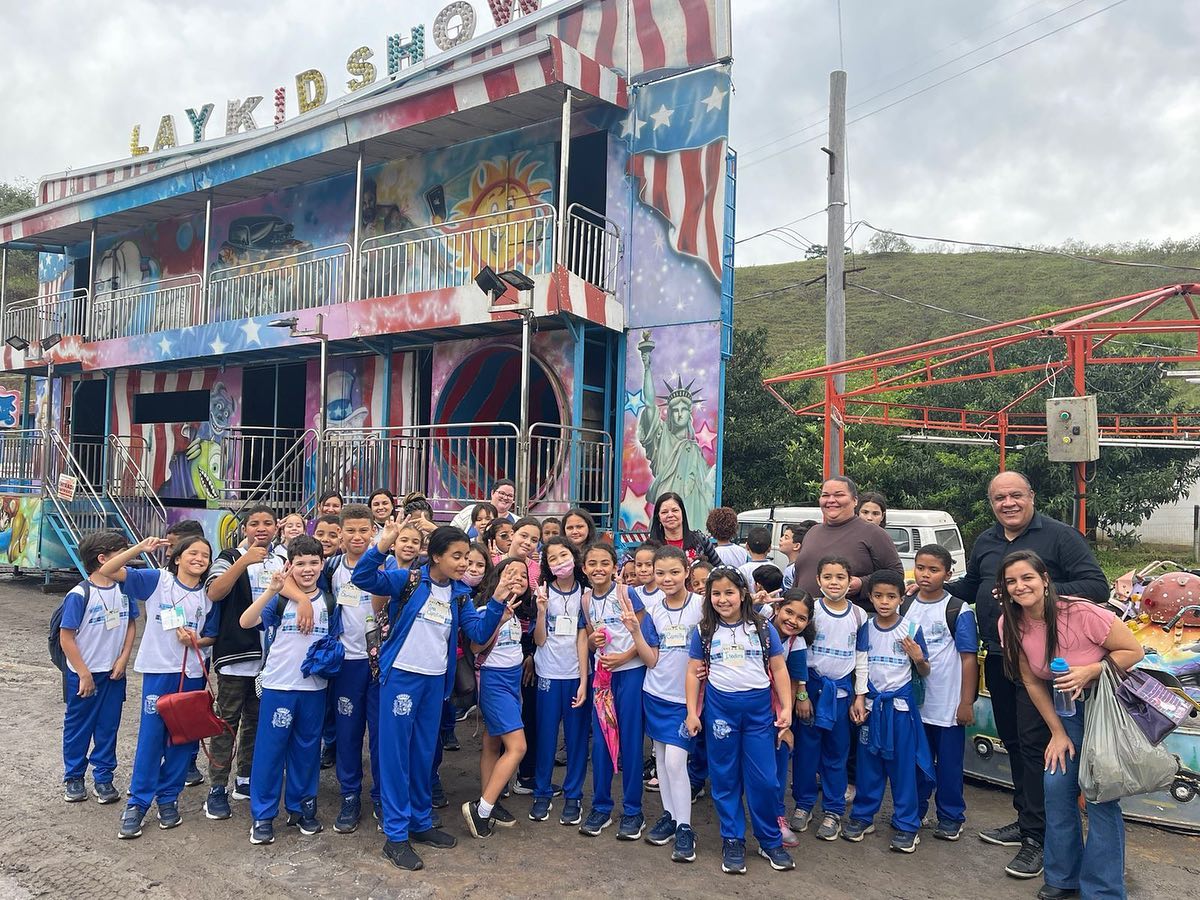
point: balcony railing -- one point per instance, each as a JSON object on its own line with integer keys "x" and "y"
{"x": 22, "y": 459}
{"x": 33, "y": 318}
{"x": 593, "y": 250}
{"x": 154, "y": 306}
{"x": 300, "y": 281}
{"x": 448, "y": 255}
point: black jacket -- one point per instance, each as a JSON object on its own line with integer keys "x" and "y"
{"x": 234, "y": 643}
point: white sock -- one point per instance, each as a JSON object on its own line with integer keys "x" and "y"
{"x": 485, "y": 808}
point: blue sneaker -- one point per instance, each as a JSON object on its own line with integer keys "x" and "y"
{"x": 733, "y": 861}
{"x": 131, "y": 823}
{"x": 193, "y": 776}
{"x": 595, "y": 823}
{"x": 347, "y": 820}
{"x": 780, "y": 859}
{"x": 540, "y": 811}
{"x": 856, "y": 829}
{"x": 306, "y": 819}
{"x": 217, "y": 804}
{"x": 685, "y": 845}
{"x": 241, "y": 789}
{"x": 262, "y": 832}
{"x": 905, "y": 841}
{"x": 631, "y": 827}
{"x": 947, "y": 830}
{"x": 572, "y": 813}
{"x": 74, "y": 790}
{"x": 106, "y": 793}
{"x": 168, "y": 815}
{"x": 663, "y": 831}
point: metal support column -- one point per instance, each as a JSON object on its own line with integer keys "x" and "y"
{"x": 355, "y": 280}
{"x": 564, "y": 164}
{"x": 1077, "y": 353}
{"x": 3, "y": 282}
{"x": 86, "y": 319}
{"x": 523, "y": 439}
{"x": 205, "y": 312}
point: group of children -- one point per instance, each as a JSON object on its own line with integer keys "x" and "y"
{"x": 369, "y": 626}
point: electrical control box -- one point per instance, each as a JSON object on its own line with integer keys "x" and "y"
{"x": 1072, "y": 429}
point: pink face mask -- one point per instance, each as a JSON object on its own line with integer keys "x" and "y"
{"x": 471, "y": 579}
{"x": 563, "y": 569}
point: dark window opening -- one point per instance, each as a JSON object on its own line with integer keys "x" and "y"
{"x": 172, "y": 406}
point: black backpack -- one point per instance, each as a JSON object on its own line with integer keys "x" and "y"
{"x": 953, "y": 608}
{"x": 764, "y": 638}
{"x": 54, "y": 639}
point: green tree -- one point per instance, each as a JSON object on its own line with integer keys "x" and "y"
{"x": 21, "y": 282}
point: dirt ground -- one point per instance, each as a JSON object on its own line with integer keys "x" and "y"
{"x": 59, "y": 850}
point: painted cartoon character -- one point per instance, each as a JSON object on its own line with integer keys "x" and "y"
{"x": 195, "y": 474}
{"x": 14, "y": 528}
{"x": 123, "y": 306}
{"x": 506, "y": 189}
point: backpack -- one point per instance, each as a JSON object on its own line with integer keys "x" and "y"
{"x": 280, "y": 605}
{"x": 382, "y": 632}
{"x": 54, "y": 639}
{"x": 764, "y": 638}
{"x": 953, "y": 608}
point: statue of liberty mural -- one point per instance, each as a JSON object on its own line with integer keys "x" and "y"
{"x": 670, "y": 444}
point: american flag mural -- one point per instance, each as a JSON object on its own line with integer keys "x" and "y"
{"x": 677, "y": 129}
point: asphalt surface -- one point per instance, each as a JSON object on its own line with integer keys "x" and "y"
{"x": 59, "y": 850}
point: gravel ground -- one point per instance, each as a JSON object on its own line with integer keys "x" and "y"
{"x": 53, "y": 849}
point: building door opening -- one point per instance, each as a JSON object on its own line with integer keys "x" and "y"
{"x": 88, "y": 400}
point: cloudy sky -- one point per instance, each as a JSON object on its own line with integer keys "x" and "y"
{"x": 1089, "y": 133}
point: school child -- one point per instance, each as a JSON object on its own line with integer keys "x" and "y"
{"x": 328, "y": 530}
{"x": 382, "y": 504}
{"x": 561, "y": 665}
{"x": 837, "y": 684}
{"x": 616, "y": 652}
{"x": 579, "y": 528}
{"x": 174, "y": 534}
{"x": 698, "y": 575}
{"x": 178, "y": 618}
{"x": 758, "y": 543}
{"x": 408, "y": 544}
{"x": 290, "y": 526}
{"x": 97, "y": 633}
{"x": 744, "y": 670}
{"x": 892, "y": 748}
{"x": 952, "y": 640}
{"x": 551, "y": 527}
{"x": 793, "y": 619}
{"x": 237, "y": 578}
{"x": 722, "y": 524}
{"x": 293, "y": 702}
{"x": 499, "y": 662}
{"x": 527, "y": 532}
{"x": 355, "y": 697}
{"x": 768, "y": 580}
{"x": 498, "y": 537}
{"x": 417, "y": 676}
{"x": 482, "y": 515}
{"x": 647, "y": 590}
{"x": 661, "y": 641}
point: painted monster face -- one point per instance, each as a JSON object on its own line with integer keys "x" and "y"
{"x": 204, "y": 462}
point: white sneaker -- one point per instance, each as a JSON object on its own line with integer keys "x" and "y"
{"x": 241, "y": 789}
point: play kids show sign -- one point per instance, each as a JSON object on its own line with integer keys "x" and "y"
{"x": 454, "y": 25}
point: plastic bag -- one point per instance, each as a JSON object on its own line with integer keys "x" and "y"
{"x": 1116, "y": 760}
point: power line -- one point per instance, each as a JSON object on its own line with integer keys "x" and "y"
{"x": 811, "y": 215}
{"x": 780, "y": 290}
{"x": 937, "y": 84}
{"x": 1136, "y": 264}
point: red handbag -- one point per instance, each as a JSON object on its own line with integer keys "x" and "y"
{"x": 188, "y": 715}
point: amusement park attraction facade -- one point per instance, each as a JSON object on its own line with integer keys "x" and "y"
{"x": 298, "y": 306}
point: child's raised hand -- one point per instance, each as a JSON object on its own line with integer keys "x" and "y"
{"x": 913, "y": 649}
{"x": 628, "y": 617}
{"x": 858, "y": 710}
{"x": 149, "y": 545}
{"x": 693, "y": 725}
{"x": 255, "y": 554}
{"x": 542, "y": 600}
{"x": 278, "y": 579}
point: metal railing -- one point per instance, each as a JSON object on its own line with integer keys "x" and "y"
{"x": 268, "y": 465}
{"x": 129, "y": 489}
{"x": 33, "y": 318}
{"x": 449, "y": 254}
{"x": 84, "y": 511}
{"x": 154, "y": 306}
{"x": 22, "y": 458}
{"x": 305, "y": 280}
{"x": 88, "y": 451}
{"x": 570, "y": 466}
{"x": 451, "y": 464}
{"x": 593, "y": 247}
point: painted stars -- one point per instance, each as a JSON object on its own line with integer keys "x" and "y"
{"x": 164, "y": 346}
{"x": 706, "y": 438}
{"x": 218, "y": 347}
{"x": 633, "y": 509}
{"x": 716, "y": 99}
{"x": 250, "y": 329}
{"x": 662, "y": 117}
{"x": 635, "y": 402}
{"x": 633, "y": 126}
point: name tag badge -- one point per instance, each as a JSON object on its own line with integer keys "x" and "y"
{"x": 436, "y": 611}
{"x": 675, "y": 638}
{"x": 350, "y": 596}
{"x": 514, "y": 630}
{"x": 264, "y": 579}
{"x": 112, "y": 618}
{"x": 172, "y": 617}
{"x": 734, "y": 654}
{"x": 564, "y": 627}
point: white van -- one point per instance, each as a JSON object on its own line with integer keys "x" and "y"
{"x": 909, "y": 530}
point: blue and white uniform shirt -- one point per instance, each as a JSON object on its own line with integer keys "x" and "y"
{"x": 290, "y": 646}
{"x": 558, "y": 658}
{"x": 426, "y": 649}
{"x": 833, "y": 649}
{"x": 671, "y": 631}
{"x": 100, "y": 627}
{"x": 735, "y": 658}
{"x": 605, "y": 612}
{"x": 889, "y": 665}
{"x": 169, "y": 607}
{"x": 358, "y": 614}
{"x": 943, "y": 685}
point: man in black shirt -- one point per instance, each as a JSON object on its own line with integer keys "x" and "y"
{"x": 1075, "y": 572}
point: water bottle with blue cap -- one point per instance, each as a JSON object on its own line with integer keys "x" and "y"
{"x": 1064, "y": 702}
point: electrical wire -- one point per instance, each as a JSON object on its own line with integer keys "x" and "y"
{"x": 784, "y": 225}
{"x": 780, "y": 290}
{"x": 936, "y": 84}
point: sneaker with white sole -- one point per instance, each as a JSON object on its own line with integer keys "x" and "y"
{"x": 540, "y": 810}
{"x": 780, "y": 859}
{"x": 131, "y": 823}
{"x": 216, "y": 805}
{"x": 789, "y": 837}
{"x": 1005, "y": 836}
{"x": 948, "y": 831}
{"x": 685, "y": 845}
{"x": 241, "y": 789}
{"x": 905, "y": 841}
{"x": 74, "y": 790}
{"x": 1028, "y": 861}
{"x": 106, "y": 793}
{"x": 262, "y": 832}
{"x": 168, "y": 815}
{"x": 631, "y": 828}
{"x": 595, "y": 823}
{"x": 856, "y": 829}
{"x": 800, "y": 820}
{"x": 663, "y": 831}
{"x": 733, "y": 856}
{"x": 480, "y": 827}
{"x": 831, "y": 828}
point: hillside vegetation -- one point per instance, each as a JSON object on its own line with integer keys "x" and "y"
{"x": 998, "y": 286}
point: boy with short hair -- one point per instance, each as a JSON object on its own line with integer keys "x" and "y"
{"x": 722, "y": 524}
{"x": 293, "y": 703}
{"x": 328, "y": 531}
{"x": 758, "y": 543}
{"x": 791, "y": 538}
{"x": 97, "y": 634}
{"x": 768, "y": 578}
{"x": 237, "y": 578}
{"x": 950, "y": 688}
{"x": 892, "y": 747}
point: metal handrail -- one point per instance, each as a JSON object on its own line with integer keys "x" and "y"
{"x": 161, "y": 305}
{"x": 593, "y": 248}
{"x": 570, "y": 466}
{"x": 132, "y": 493}
{"x": 85, "y": 512}
{"x": 286, "y": 485}
{"x": 449, "y": 254}
{"x": 303, "y": 280}
{"x": 22, "y": 458}
{"x": 33, "y": 318}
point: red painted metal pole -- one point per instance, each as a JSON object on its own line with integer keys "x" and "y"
{"x": 1077, "y": 351}
{"x": 1003, "y": 437}
{"x": 828, "y": 424}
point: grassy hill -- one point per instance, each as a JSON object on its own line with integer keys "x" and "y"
{"x": 998, "y": 286}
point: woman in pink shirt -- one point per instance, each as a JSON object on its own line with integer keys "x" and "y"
{"x": 1036, "y": 626}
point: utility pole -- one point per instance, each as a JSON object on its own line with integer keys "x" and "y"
{"x": 835, "y": 286}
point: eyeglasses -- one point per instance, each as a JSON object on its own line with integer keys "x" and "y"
{"x": 499, "y": 496}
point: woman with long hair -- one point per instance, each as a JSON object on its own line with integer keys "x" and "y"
{"x": 669, "y": 525}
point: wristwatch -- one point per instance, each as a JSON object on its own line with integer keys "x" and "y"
{"x": 801, "y": 696}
